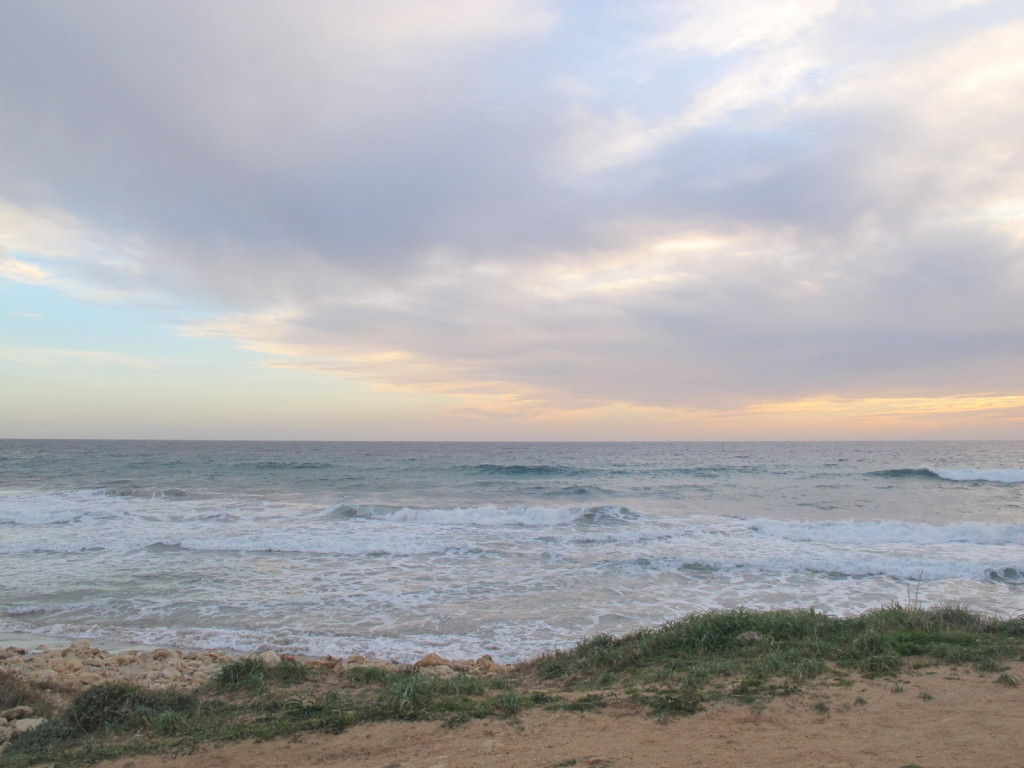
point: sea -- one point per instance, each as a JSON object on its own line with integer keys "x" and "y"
{"x": 396, "y": 549}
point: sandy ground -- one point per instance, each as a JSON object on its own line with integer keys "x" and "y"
{"x": 940, "y": 719}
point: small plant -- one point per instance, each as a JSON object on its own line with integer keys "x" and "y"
{"x": 248, "y": 674}
{"x": 586, "y": 703}
{"x": 821, "y": 707}
{"x": 455, "y": 720}
{"x": 15, "y": 692}
{"x": 925, "y": 696}
{"x": 1010, "y": 681}
{"x": 116, "y": 704}
{"x": 860, "y": 701}
{"x": 988, "y": 664}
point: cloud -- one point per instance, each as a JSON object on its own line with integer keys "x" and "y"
{"x": 20, "y": 271}
{"x": 675, "y": 206}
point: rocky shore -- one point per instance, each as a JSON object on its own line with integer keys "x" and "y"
{"x": 81, "y": 665}
{"x": 62, "y": 673}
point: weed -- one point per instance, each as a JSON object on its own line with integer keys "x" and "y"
{"x": 988, "y": 663}
{"x": 248, "y": 674}
{"x": 15, "y": 692}
{"x": 821, "y": 707}
{"x": 1010, "y": 681}
{"x": 925, "y": 696}
{"x": 587, "y": 703}
{"x": 115, "y": 704}
{"x": 685, "y": 701}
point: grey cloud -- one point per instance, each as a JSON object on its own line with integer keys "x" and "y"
{"x": 391, "y": 198}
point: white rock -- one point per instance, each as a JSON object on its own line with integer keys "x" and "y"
{"x": 431, "y": 660}
{"x": 27, "y": 724}
{"x": 270, "y": 658}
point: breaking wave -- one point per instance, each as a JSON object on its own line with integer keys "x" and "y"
{"x": 490, "y": 515}
{"x": 957, "y": 475}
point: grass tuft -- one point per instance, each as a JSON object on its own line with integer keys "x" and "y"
{"x": 15, "y": 692}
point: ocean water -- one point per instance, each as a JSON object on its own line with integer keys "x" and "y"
{"x": 512, "y": 549}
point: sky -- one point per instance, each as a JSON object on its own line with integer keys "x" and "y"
{"x": 512, "y": 219}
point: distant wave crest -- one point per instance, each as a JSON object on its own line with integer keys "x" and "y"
{"x": 520, "y": 470}
{"x": 891, "y": 532}
{"x": 489, "y": 515}
{"x": 957, "y": 475}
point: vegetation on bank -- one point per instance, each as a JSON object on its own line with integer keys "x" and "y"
{"x": 674, "y": 669}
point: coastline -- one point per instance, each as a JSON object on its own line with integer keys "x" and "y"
{"x": 938, "y": 717}
{"x": 778, "y": 688}
{"x": 74, "y": 667}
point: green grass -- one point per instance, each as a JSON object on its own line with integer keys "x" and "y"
{"x": 253, "y": 674}
{"x": 672, "y": 670}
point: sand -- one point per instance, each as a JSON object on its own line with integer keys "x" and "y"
{"x": 933, "y": 718}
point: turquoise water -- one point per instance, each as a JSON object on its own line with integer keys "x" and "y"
{"x": 510, "y": 549}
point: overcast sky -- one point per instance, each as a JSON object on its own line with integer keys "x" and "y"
{"x": 488, "y": 219}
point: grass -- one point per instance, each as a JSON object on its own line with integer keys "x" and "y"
{"x": 672, "y": 670}
{"x": 15, "y": 692}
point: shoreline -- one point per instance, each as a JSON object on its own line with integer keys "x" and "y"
{"x": 903, "y": 686}
{"x": 937, "y": 717}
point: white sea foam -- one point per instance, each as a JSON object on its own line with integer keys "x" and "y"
{"x": 490, "y": 515}
{"x": 987, "y": 475}
{"x": 326, "y": 545}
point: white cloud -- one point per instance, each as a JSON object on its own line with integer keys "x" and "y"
{"x": 20, "y": 271}
{"x": 724, "y": 26}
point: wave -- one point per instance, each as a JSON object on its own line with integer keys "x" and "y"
{"x": 519, "y": 470}
{"x": 490, "y": 515}
{"x": 321, "y": 545}
{"x": 838, "y": 567}
{"x": 273, "y": 465}
{"x": 142, "y": 493}
{"x": 986, "y": 475}
{"x": 295, "y": 544}
{"x": 956, "y": 475}
{"x": 891, "y": 532}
